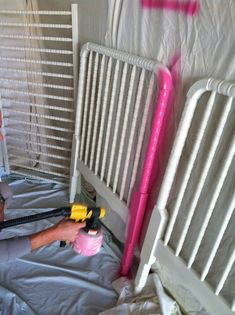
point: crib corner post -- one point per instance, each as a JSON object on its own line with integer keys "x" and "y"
{"x": 155, "y": 231}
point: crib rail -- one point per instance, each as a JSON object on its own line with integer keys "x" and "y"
{"x": 184, "y": 226}
{"x": 38, "y": 82}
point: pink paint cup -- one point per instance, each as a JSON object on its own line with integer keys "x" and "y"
{"x": 87, "y": 244}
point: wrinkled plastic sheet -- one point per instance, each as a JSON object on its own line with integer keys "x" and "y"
{"x": 53, "y": 280}
{"x": 152, "y": 300}
{"x": 57, "y": 281}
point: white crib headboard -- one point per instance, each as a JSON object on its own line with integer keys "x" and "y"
{"x": 38, "y": 85}
{"x": 116, "y": 94}
{"x": 191, "y": 231}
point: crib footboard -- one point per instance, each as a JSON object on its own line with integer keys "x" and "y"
{"x": 191, "y": 231}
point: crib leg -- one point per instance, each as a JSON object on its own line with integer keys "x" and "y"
{"x": 157, "y": 223}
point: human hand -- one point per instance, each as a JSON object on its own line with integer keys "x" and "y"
{"x": 67, "y": 230}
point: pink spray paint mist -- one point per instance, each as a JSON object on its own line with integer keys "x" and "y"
{"x": 190, "y": 7}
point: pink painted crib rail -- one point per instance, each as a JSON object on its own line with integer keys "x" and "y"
{"x": 139, "y": 198}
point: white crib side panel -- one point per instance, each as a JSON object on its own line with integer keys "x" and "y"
{"x": 189, "y": 265}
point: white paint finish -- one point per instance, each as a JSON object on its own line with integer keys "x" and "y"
{"x": 114, "y": 96}
{"x": 223, "y": 172}
{"x": 3, "y": 154}
{"x": 189, "y": 167}
{"x": 51, "y": 107}
{"x": 154, "y": 247}
{"x": 40, "y": 38}
{"x": 17, "y": 148}
{"x": 141, "y": 135}
{"x": 86, "y": 107}
{"x": 41, "y": 122}
{"x": 62, "y": 139}
{"x": 9, "y": 120}
{"x": 218, "y": 238}
{"x": 32, "y": 49}
{"x": 215, "y": 305}
{"x": 49, "y": 146}
{"x": 155, "y": 231}
{"x": 49, "y": 96}
{"x": 51, "y": 117}
{"x": 75, "y": 47}
{"x": 132, "y": 133}
{"x": 92, "y": 108}
{"x": 102, "y": 155}
{"x": 205, "y": 171}
{"x": 113, "y": 200}
{"x": 117, "y": 122}
{"x": 44, "y": 12}
{"x": 16, "y": 157}
{"x": 226, "y": 272}
{"x": 22, "y": 167}
{"x": 97, "y": 112}
{"x": 51, "y": 86}
{"x": 9, "y": 24}
{"x": 42, "y": 73}
{"x": 103, "y": 115}
{"x": 124, "y": 128}
{"x": 40, "y": 62}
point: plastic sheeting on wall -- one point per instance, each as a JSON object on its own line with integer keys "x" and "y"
{"x": 193, "y": 46}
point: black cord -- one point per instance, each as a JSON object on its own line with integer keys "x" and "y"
{"x": 65, "y": 211}
{"x": 119, "y": 244}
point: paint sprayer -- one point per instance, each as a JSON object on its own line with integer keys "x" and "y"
{"x": 89, "y": 239}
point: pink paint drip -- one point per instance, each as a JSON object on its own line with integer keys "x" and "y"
{"x": 191, "y": 7}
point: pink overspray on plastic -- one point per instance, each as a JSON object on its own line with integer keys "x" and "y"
{"x": 87, "y": 244}
{"x": 191, "y": 7}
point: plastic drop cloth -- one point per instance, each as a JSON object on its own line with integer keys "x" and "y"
{"x": 152, "y": 300}
{"x": 53, "y": 280}
{"x": 57, "y": 281}
{"x": 193, "y": 47}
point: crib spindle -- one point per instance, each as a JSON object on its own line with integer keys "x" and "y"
{"x": 97, "y": 112}
{"x": 117, "y": 122}
{"x": 110, "y": 117}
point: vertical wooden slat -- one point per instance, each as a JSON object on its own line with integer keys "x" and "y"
{"x": 132, "y": 133}
{"x": 117, "y": 123}
{"x": 92, "y": 108}
{"x": 141, "y": 136}
{"x": 204, "y": 173}
{"x": 110, "y": 118}
{"x": 124, "y": 128}
{"x": 97, "y": 112}
{"x": 86, "y": 107}
{"x": 103, "y": 115}
{"x": 221, "y": 179}
{"x": 189, "y": 167}
{"x": 226, "y": 272}
{"x": 218, "y": 238}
